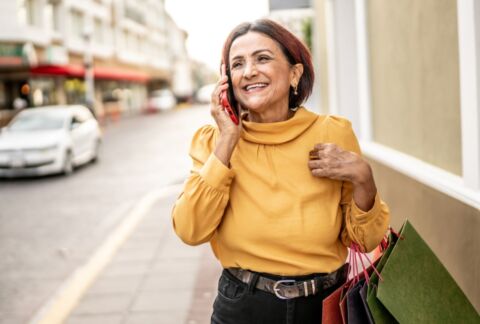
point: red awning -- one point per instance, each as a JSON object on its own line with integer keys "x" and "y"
{"x": 110, "y": 73}
{"x": 78, "y": 71}
{"x": 75, "y": 71}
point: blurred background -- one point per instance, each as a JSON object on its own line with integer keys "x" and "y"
{"x": 99, "y": 100}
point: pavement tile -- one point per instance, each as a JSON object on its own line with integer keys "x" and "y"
{"x": 95, "y": 319}
{"x": 168, "y": 282}
{"x": 103, "y": 304}
{"x": 205, "y": 289}
{"x": 154, "y": 278}
{"x": 9, "y": 319}
{"x": 177, "y": 266}
{"x": 129, "y": 255}
{"x": 170, "y": 251}
{"x": 117, "y": 284}
{"x": 145, "y": 243}
{"x": 40, "y": 290}
{"x": 127, "y": 268}
{"x": 155, "y": 318}
{"x": 152, "y": 235}
{"x": 165, "y": 301}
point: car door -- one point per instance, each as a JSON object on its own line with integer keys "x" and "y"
{"x": 76, "y": 136}
{"x": 81, "y": 137}
{"x": 92, "y": 131}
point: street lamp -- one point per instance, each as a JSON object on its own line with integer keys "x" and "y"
{"x": 88, "y": 66}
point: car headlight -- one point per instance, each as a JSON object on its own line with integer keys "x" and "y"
{"x": 49, "y": 149}
{"x": 44, "y": 150}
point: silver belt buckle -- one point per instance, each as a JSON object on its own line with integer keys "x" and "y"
{"x": 276, "y": 290}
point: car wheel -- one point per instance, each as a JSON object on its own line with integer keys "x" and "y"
{"x": 96, "y": 152}
{"x": 68, "y": 164}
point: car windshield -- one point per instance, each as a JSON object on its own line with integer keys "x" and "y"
{"x": 35, "y": 121}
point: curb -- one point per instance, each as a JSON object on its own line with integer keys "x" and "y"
{"x": 64, "y": 300}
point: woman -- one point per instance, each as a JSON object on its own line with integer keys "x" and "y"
{"x": 282, "y": 195}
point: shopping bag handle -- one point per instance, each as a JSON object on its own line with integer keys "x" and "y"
{"x": 356, "y": 252}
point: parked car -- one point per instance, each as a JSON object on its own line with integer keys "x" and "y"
{"x": 48, "y": 140}
{"x": 204, "y": 94}
{"x": 160, "y": 100}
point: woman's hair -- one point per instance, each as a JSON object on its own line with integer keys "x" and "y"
{"x": 295, "y": 52}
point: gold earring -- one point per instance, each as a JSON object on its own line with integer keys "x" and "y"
{"x": 295, "y": 92}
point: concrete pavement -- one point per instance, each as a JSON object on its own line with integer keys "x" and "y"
{"x": 50, "y": 227}
{"x": 152, "y": 278}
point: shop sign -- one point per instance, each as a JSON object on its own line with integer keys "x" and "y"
{"x": 11, "y": 54}
{"x": 11, "y": 50}
{"x": 17, "y": 54}
{"x": 57, "y": 55}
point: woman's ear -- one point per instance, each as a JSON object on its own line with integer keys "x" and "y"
{"x": 296, "y": 73}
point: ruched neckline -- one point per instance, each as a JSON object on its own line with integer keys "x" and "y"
{"x": 279, "y": 132}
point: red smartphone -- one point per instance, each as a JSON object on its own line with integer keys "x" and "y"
{"x": 228, "y": 108}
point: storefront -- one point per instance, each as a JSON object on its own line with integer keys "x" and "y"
{"x": 117, "y": 92}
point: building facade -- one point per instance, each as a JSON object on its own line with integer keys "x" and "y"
{"x": 406, "y": 73}
{"x": 63, "y": 51}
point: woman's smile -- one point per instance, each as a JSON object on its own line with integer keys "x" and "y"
{"x": 255, "y": 88}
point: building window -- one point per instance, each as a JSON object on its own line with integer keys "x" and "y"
{"x": 26, "y": 12}
{"x": 52, "y": 16}
{"x": 414, "y": 80}
{"x": 76, "y": 24}
{"x": 135, "y": 14}
{"x": 126, "y": 39}
{"x": 98, "y": 34}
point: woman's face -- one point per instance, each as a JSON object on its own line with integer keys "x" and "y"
{"x": 261, "y": 74}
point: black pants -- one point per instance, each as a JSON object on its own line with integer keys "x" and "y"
{"x": 239, "y": 303}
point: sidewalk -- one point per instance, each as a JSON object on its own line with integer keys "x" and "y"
{"x": 154, "y": 278}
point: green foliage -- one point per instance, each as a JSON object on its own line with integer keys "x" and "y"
{"x": 307, "y": 32}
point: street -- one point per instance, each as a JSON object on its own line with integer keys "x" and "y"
{"x": 51, "y": 225}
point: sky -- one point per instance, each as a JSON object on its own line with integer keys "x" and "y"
{"x": 208, "y": 23}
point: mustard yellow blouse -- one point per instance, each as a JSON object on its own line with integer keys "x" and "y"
{"x": 267, "y": 212}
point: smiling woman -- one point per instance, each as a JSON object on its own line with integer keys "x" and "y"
{"x": 280, "y": 196}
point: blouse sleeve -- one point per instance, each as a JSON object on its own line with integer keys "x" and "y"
{"x": 200, "y": 207}
{"x": 366, "y": 228}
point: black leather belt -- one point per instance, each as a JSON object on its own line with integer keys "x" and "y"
{"x": 289, "y": 288}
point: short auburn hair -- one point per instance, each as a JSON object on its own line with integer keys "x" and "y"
{"x": 293, "y": 49}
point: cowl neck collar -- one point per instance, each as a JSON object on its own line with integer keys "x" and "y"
{"x": 279, "y": 132}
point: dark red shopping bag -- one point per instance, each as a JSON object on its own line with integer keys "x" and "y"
{"x": 334, "y": 307}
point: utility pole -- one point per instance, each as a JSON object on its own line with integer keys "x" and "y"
{"x": 88, "y": 66}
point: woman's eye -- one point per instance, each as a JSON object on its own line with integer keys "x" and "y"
{"x": 263, "y": 58}
{"x": 236, "y": 65}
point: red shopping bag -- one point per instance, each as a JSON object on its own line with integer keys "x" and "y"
{"x": 334, "y": 306}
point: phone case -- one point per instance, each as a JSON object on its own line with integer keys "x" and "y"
{"x": 226, "y": 104}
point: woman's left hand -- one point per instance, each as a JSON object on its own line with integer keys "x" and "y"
{"x": 330, "y": 161}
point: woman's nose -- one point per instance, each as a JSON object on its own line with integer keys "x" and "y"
{"x": 250, "y": 70}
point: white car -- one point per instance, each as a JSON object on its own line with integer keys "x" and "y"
{"x": 48, "y": 140}
{"x": 161, "y": 100}
{"x": 204, "y": 94}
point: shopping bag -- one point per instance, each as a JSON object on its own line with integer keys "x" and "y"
{"x": 352, "y": 309}
{"x": 334, "y": 306}
{"x": 416, "y": 287}
{"x": 378, "y": 312}
{"x": 363, "y": 296}
{"x": 331, "y": 309}
{"x": 356, "y": 312}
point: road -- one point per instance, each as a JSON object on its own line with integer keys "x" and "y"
{"x": 50, "y": 226}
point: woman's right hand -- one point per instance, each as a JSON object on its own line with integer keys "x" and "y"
{"x": 229, "y": 132}
{"x": 225, "y": 125}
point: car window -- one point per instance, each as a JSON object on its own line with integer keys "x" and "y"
{"x": 34, "y": 121}
{"x": 83, "y": 114}
{"x": 76, "y": 120}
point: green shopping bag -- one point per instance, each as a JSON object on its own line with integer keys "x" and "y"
{"x": 379, "y": 313}
{"x": 416, "y": 287}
